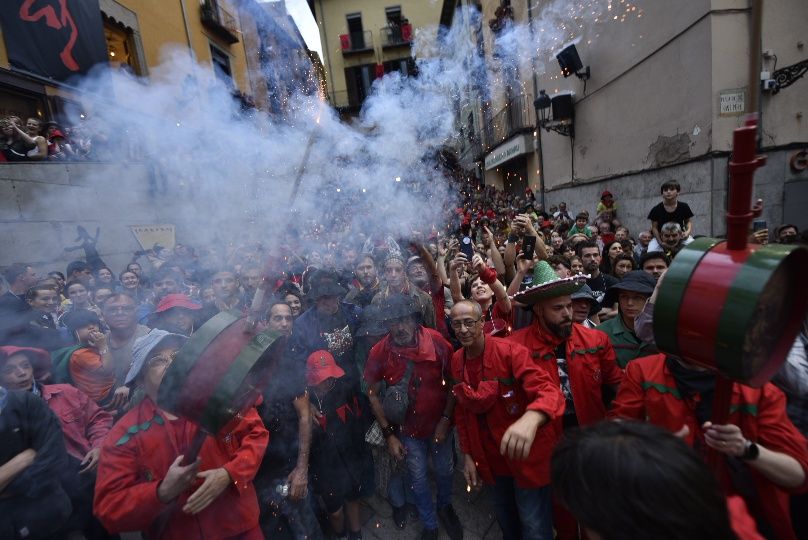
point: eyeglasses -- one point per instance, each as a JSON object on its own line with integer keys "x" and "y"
{"x": 161, "y": 359}
{"x": 468, "y": 323}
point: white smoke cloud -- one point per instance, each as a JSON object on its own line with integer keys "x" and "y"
{"x": 236, "y": 174}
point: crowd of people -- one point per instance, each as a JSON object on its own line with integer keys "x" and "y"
{"x": 35, "y": 140}
{"x": 505, "y": 344}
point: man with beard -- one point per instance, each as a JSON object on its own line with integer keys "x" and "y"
{"x": 578, "y": 359}
{"x": 598, "y": 282}
{"x": 503, "y": 401}
{"x": 631, "y": 293}
{"x": 415, "y": 416}
{"x": 397, "y": 283}
{"x": 366, "y": 284}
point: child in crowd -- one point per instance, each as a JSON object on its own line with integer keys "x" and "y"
{"x": 607, "y": 210}
{"x": 580, "y": 226}
{"x": 341, "y": 463}
{"x": 670, "y": 210}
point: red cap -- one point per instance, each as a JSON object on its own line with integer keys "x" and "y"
{"x": 40, "y": 359}
{"x": 57, "y": 133}
{"x": 320, "y": 366}
{"x": 176, "y": 300}
{"x": 606, "y": 193}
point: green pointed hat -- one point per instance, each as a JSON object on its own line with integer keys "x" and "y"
{"x": 547, "y": 284}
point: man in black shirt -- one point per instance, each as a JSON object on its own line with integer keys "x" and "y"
{"x": 590, "y": 255}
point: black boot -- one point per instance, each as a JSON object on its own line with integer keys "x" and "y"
{"x": 429, "y": 534}
{"x": 451, "y": 523}
{"x": 400, "y": 516}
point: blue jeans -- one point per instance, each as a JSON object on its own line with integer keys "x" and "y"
{"x": 419, "y": 454}
{"x": 399, "y": 487}
{"x": 522, "y": 513}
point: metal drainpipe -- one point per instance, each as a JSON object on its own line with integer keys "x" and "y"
{"x": 187, "y": 31}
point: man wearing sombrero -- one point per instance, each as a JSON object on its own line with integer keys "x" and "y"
{"x": 578, "y": 359}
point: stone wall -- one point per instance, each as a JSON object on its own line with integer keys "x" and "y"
{"x": 41, "y": 204}
{"x": 704, "y": 187}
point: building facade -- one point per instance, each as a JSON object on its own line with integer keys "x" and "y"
{"x": 241, "y": 40}
{"x": 667, "y": 85}
{"x": 363, "y": 39}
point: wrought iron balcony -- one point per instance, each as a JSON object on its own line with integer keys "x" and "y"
{"x": 396, "y": 36}
{"x": 517, "y": 116}
{"x": 356, "y": 42}
{"x": 219, "y": 21}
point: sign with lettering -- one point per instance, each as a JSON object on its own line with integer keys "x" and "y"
{"x": 732, "y": 102}
{"x": 149, "y": 235}
{"x": 515, "y": 147}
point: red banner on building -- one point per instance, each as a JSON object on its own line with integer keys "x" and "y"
{"x": 56, "y": 39}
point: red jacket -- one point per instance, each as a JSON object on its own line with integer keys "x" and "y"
{"x": 84, "y": 424}
{"x": 591, "y": 362}
{"x": 649, "y": 392}
{"x": 137, "y": 454}
{"x": 427, "y": 389}
{"x": 522, "y": 386}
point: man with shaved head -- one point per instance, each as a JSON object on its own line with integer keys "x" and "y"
{"x": 503, "y": 401}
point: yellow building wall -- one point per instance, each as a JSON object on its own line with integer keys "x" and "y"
{"x": 330, "y": 15}
{"x": 161, "y": 23}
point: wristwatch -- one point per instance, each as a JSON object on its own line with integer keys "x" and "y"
{"x": 751, "y": 452}
{"x": 388, "y": 431}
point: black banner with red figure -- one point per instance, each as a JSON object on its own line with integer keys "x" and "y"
{"x": 57, "y": 39}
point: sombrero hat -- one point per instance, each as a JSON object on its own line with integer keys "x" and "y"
{"x": 547, "y": 284}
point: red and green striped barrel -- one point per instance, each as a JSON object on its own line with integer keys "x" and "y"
{"x": 735, "y": 311}
{"x": 220, "y": 371}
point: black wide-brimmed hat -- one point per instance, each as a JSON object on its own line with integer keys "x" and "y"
{"x": 325, "y": 284}
{"x": 638, "y": 281}
{"x": 397, "y": 306}
{"x": 371, "y": 322}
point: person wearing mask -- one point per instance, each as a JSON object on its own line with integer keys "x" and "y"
{"x": 141, "y": 470}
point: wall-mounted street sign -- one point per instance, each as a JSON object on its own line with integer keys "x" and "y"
{"x": 732, "y": 102}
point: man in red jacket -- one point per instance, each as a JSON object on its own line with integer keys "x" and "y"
{"x": 578, "y": 359}
{"x": 141, "y": 475}
{"x": 416, "y": 413}
{"x": 766, "y": 457}
{"x": 503, "y": 400}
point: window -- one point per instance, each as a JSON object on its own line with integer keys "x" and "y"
{"x": 355, "y": 31}
{"x": 221, "y": 65}
{"x": 406, "y": 66}
{"x": 121, "y": 47}
{"x": 359, "y": 80}
{"x": 393, "y": 16}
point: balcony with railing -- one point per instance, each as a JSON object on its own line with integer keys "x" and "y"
{"x": 219, "y": 21}
{"x": 518, "y": 116}
{"x": 356, "y": 42}
{"x": 396, "y": 36}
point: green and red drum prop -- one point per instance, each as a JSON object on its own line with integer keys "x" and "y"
{"x": 220, "y": 371}
{"x": 735, "y": 311}
{"x": 729, "y": 306}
